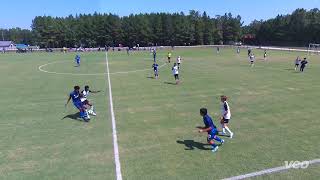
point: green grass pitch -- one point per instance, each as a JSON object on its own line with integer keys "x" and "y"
{"x": 275, "y": 116}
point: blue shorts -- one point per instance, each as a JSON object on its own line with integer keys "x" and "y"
{"x": 212, "y": 134}
{"x": 78, "y": 105}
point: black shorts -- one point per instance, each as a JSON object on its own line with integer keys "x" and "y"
{"x": 169, "y": 58}
{"x": 297, "y": 65}
{"x": 226, "y": 120}
{"x": 176, "y": 76}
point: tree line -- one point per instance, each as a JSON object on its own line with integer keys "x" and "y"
{"x": 171, "y": 29}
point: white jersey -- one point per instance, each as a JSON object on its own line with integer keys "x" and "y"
{"x": 179, "y": 60}
{"x": 225, "y": 110}
{"x": 175, "y": 70}
{"x": 85, "y": 95}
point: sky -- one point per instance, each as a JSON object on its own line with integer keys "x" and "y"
{"x": 21, "y": 13}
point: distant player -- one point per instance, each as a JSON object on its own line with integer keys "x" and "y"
{"x": 211, "y": 129}
{"x": 252, "y": 59}
{"x": 179, "y": 61}
{"x": 84, "y": 99}
{"x": 265, "y": 55}
{"x": 169, "y": 57}
{"x": 175, "y": 71}
{"x": 225, "y": 115}
{"x": 249, "y": 52}
{"x": 155, "y": 67}
{"x": 128, "y": 51}
{"x": 303, "y": 64}
{"x": 218, "y": 50}
{"x": 238, "y": 50}
{"x": 154, "y": 53}
{"x": 297, "y": 63}
{"x": 77, "y": 59}
{"x": 75, "y": 96}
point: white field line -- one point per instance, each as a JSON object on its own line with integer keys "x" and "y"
{"x": 90, "y": 74}
{"x": 267, "y": 171}
{"x": 114, "y": 127}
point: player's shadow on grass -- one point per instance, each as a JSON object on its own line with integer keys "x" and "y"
{"x": 75, "y": 117}
{"x": 171, "y": 83}
{"x": 150, "y": 77}
{"x": 191, "y": 145}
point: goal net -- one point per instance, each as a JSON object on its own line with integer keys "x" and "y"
{"x": 314, "y": 49}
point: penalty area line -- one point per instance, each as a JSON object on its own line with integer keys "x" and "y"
{"x": 114, "y": 127}
{"x": 268, "y": 171}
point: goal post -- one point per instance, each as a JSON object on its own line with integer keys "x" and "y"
{"x": 314, "y": 49}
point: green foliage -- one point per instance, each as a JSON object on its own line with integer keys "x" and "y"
{"x": 96, "y": 29}
{"x": 299, "y": 28}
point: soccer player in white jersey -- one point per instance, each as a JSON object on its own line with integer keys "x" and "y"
{"x": 179, "y": 61}
{"x": 225, "y": 115}
{"x": 252, "y": 59}
{"x": 175, "y": 71}
{"x": 85, "y": 93}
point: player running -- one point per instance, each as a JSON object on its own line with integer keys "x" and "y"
{"x": 297, "y": 63}
{"x": 155, "y": 67}
{"x": 175, "y": 71}
{"x": 211, "y": 129}
{"x": 238, "y": 50}
{"x": 304, "y": 62}
{"x": 249, "y": 51}
{"x": 225, "y": 116}
{"x": 77, "y": 59}
{"x": 265, "y": 55}
{"x": 179, "y": 61}
{"x": 84, "y": 99}
{"x": 252, "y": 59}
{"x": 218, "y": 50}
{"x": 169, "y": 57}
{"x": 75, "y": 96}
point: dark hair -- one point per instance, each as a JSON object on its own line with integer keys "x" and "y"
{"x": 204, "y": 111}
{"x": 224, "y": 98}
{"x": 86, "y": 87}
{"x": 76, "y": 87}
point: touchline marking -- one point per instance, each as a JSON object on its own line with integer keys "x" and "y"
{"x": 114, "y": 127}
{"x": 267, "y": 171}
{"x": 89, "y": 74}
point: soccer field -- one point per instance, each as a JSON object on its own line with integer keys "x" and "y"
{"x": 275, "y": 115}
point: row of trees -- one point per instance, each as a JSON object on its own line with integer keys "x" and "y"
{"x": 195, "y": 28}
{"x": 96, "y": 29}
{"x": 144, "y": 29}
{"x": 298, "y": 29}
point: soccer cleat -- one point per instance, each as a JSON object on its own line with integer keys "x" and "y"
{"x": 231, "y": 135}
{"x": 93, "y": 113}
{"x": 222, "y": 141}
{"x": 215, "y": 149}
{"x": 86, "y": 119}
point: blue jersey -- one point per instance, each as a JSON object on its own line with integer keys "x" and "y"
{"x": 77, "y": 58}
{"x": 75, "y": 96}
{"x": 155, "y": 67}
{"x": 209, "y": 123}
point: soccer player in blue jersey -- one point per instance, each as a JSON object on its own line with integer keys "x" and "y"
{"x": 155, "y": 67}
{"x": 77, "y": 59}
{"x": 210, "y": 128}
{"x": 75, "y": 95}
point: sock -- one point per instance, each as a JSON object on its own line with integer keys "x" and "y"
{"x": 92, "y": 109}
{"x": 81, "y": 114}
{"x": 227, "y": 128}
{"x": 223, "y": 129}
{"x": 217, "y": 138}
{"x": 213, "y": 146}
